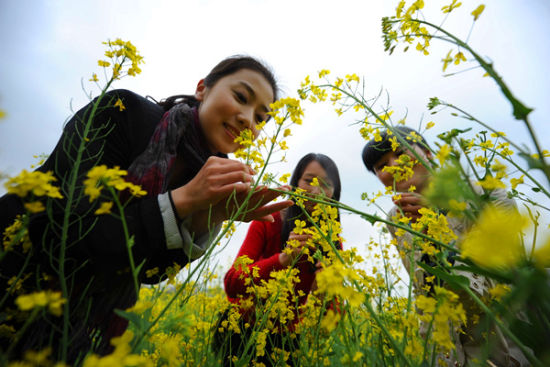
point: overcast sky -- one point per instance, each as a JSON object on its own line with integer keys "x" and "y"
{"x": 48, "y": 47}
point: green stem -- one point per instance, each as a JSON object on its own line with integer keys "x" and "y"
{"x": 127, "y": 239}
{"x": 371, "y": 218}
{"x": 73, "y": 177}
{"x": 520, "y": 111}
{"x": 22, "y": 330}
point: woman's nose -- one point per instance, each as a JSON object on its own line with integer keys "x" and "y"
{"x": 315, "y": 190}
{"x": 392, "y": 162}
{"x": 246, "y": 117}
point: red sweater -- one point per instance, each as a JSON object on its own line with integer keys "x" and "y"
{"x": 263, "y": 245}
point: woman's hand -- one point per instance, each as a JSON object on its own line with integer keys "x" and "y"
{"x": 288, "y": 259}
{"x": 410, "y": 203}
{"x": 256, "y": 208}
{"x": 217, "y": 179}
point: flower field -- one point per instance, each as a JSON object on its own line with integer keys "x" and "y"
{"x": 353, "y": 317}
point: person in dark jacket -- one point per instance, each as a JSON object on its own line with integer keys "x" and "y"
{"x": 176, "y": 151}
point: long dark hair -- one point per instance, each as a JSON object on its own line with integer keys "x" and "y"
{"x": 295, "y": 212}
{"x": 226, "y": 67}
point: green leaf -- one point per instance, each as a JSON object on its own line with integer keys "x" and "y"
{"x": 434, "y": 102}
{"x": 448, "y": 136}
{"x": 369, "y": 218}
{"x": 456, "y": 281}
{"x": 141, "y": 322}
{"x": 131, "y": 242}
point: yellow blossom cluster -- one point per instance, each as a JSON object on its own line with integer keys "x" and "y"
{"x": 120, "y": 55}
{"x": 404, "y": 168}
{"x": 17, "y": 234}
{"x": 53, "y": 300}
{"x": 36, "y": 183}
{"x": 255, "y": 152}
{"x": 408, "y": 25}
{"x": 121, "y": 356}
{"x": 40, "y": 358}
{"x": 337, "y": 280}
{"x": 494, "y": 240}
{"x": 100, "y": 177}
{"x": 249, "y": 151}
{"x": 435, "y": 225}
{"x": 444, "y": 313}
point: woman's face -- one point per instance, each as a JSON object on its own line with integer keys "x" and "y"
{"x": 235, "y": 102}
{"x": 326, "y": 186}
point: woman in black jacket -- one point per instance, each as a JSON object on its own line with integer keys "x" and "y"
{"x": 176, "y": 150}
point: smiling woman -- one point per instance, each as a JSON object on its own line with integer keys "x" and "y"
{"x": 175, "y": 155}
{"x": 237, "y": 102}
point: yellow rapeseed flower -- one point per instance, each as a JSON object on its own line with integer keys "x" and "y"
{"x": 35, "y": 207}
{"x": 53, "y": 300}
{"x": 101, "y": 176}
{"x": 477, "y": 11}
{"x": 17, "y": 234}
{"x": 284, "y": 178}
{"x": 323, "y": 73}
{"x": 36, "y": 182}
{"x": 459, "y": 57}
{"x": 499, "y": 291}
{"x": 447, "y": 60}
{"x": 120, "y": 105}
{"x": 443, "y": 153}
{"x": 514, "y": 182}
{"x": 352, "y": 78}
{"x": 105, "y": 208}
{"x": 491, "y": 183}
{"x": 494, "y": 240}
{"x": 449, "y": 8}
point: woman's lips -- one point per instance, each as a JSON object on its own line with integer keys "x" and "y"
{"x": 231, "y": 131}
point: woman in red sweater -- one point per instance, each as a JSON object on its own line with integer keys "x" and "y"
{"x": 316, "y": 174}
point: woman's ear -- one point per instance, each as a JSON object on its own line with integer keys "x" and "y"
{"x": 200, "y": 91}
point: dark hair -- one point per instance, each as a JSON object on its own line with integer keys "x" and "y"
{"x": 374, "y": 150}
{"x": 295, "y": 212}
{"x": 224, "y": 68}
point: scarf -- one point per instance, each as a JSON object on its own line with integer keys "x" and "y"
{"x": 178, "y": 134}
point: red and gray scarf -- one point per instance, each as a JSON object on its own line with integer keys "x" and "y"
{"x": 178, "y": 134}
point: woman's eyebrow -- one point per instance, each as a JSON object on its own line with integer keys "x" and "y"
{"x": 311, "y": 175}
{"x": 252, "y": 93}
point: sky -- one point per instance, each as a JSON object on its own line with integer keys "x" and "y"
{"x": 51, "y": 48}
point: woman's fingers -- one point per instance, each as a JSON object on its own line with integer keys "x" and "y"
{"x": 409, "y": 198}
{"x": 264, "y": 212}
{"x": 217, "y": 165}
{"x": 299, "y": 237}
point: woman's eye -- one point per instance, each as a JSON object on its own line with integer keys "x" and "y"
{"x": 259, "y": 118}
{"x": 240, "y": 97}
